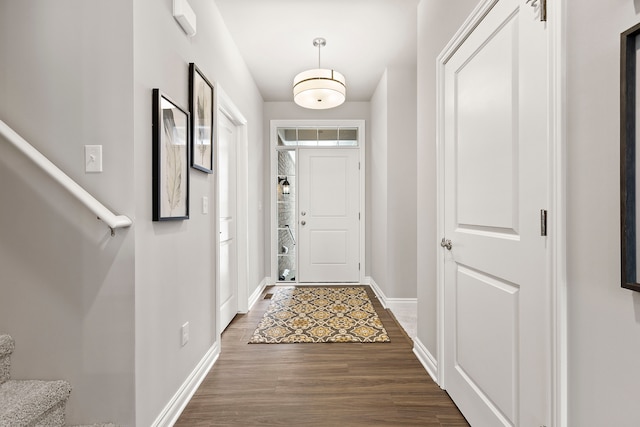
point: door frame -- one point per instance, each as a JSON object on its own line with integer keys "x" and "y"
{"x": 226, "y": 106}
{"x": 273, "y": 176}
{"x": 556, "y": 226}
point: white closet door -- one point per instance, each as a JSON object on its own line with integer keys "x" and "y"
{"x": 497, "y": 307}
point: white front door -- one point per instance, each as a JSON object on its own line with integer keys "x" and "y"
{"x": 328, "y": 215}
{"x": 497, "y": 304}
{"x": 227, "y": 193}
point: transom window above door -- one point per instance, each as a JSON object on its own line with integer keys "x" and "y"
{"x": 318, "y": 137}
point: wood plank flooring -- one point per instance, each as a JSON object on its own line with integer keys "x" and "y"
{"x": 350, "y": 384}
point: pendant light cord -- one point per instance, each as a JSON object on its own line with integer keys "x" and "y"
{"x": 320, "y": 43}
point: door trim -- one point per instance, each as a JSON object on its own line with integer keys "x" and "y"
{"x": 228, "y": 108}
{"x": 274, "y": 125}
{"x": 556, "y": 257}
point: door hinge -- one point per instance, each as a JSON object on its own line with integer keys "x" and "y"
{"x": 358, "y": 216}
{"x": 358, "y": 266}
{"x": 543, "y": 222}
{"x": 358, "y": 165}
{"x": 543, "y": 8}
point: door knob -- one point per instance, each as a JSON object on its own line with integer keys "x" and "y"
{"x": 303, "y": 222}
{"x": 303, "y": 213}
{"x": 446, "y": 243}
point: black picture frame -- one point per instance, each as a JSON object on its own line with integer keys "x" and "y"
{"x": 201, "y": 100}
{"x": 628, "y": 179}
{"x": 171, "y": 128}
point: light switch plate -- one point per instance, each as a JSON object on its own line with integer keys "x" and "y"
{"x": 93, "y": 158}
{"x": 205, "y": 205}
{"x": 184, "y": 334}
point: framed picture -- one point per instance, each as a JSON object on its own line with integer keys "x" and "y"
{"x": 170, "y": 159}
{"x": 629, "y": 185}
{"x": 201, "y": 105}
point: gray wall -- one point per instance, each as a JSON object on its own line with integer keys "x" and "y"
{"x": 438, "y": 21}
{"x": 401, "y": 184}
{"x": 175, "y": 261}
{"x": 393, "y": 182}
{"x": 105, "y": 312}
{"x": 604, "y": 320}
{"x": 67, "y": 287}
{"x": 377, "y": 240}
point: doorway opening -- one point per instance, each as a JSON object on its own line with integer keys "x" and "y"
{"x": 232, "y": 294}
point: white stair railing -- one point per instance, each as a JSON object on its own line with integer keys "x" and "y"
{"x": 101, "y": 211}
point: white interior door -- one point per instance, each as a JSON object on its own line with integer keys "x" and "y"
{"x": 328, "y": 215}
{"x": 228, "y": 252}
{"x": 497, "y": 307}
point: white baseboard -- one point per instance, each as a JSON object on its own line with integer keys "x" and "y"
{"x": 427, "y": 360}
{"x": 255, "y": 296}
{"x": 398, "y": 303}
{"x": 376, "y": 289}
{"x": 178, "y": 402}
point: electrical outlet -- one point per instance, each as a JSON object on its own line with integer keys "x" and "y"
{"x": 185, "y": 334}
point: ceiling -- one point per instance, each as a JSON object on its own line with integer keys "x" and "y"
{"x": 275, "y": 38}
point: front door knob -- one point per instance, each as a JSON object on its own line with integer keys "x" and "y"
{"x": 303, "y": 222}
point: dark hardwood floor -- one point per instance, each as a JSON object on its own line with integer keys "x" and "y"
{"x": 350, "y": 384}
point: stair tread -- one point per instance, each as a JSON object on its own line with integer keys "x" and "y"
{"x": 22, "y": 401}
{"x": 96, "y": 425}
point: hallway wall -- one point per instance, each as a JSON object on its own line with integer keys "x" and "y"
{"x": 105, "y": 312}
{"x": 393, "y": 182}
{"x": 438, "y": 21}
{"x": 66, "y": 285}
{"x": 378, "y": 239}
{"x": 175, "y": 260}
{"x": 604, "y": 319}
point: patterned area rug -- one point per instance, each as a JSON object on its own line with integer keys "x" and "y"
{"x": 320, "y": 314}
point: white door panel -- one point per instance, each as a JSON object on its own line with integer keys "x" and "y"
{"x": 487, "y": 340}
{"x": 328, "y": 221}
{"x": 486, "y": 104}
{"x": 496, "y": 365}
{"x": 328, "y": 246}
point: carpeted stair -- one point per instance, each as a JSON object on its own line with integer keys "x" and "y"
{"x": 29, "y": 403}
{"x": 98, "y": 425}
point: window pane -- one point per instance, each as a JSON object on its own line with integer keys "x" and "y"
{"x": 291, "y": 196}
{"x": 348, "y": 137}
{"x": 287, "y": 137}
{"x": 307, "y": 137}
{"x": 286, "y": 214}
{"x": 327, "y": 137}
{"x": 287, "y": 162}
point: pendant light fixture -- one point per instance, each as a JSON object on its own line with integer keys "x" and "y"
{"x": 319, "y": 88}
